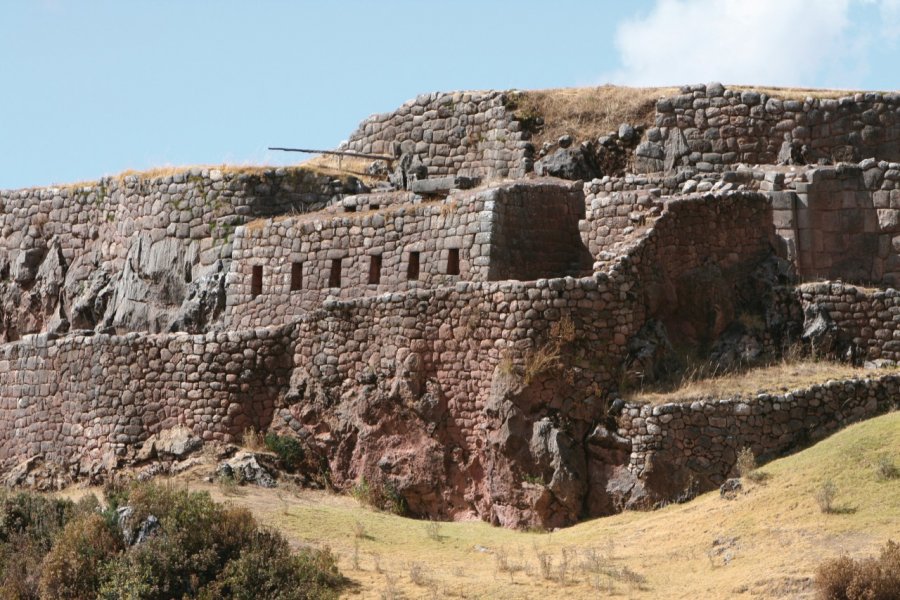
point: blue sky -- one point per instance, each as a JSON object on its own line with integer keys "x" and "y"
{"x": 91, "y": 88}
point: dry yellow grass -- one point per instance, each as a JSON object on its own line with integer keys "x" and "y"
{"x": 770, "y": 538}
{"x": 321, "y": 167}
{"x": 779, "y": 377}
{"x": 589, "y": 112}
{"x": 341, "y": 166}
{"x": 798, "y": 93}
{"x": 765, "y": 543}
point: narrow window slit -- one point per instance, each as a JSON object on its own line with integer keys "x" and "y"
{"x": 296, "y": 276}
{"x": 334, "y": 278}
{"x": 412, "y": 268}
{"x": 375, "y": 269}
{"x": 256, "y": 281}
{"x": 453, "y": 261}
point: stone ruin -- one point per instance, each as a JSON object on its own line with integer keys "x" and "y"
{"x": 459, "y": 332}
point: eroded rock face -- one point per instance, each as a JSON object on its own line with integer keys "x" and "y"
{"x": 47, "y": 294}
{"x": 395, "y": 432}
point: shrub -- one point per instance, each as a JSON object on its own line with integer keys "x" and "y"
{"x": 868, "y": 579}
{"x": 825, "y": 496}
{"x": 287, "y": 448}
{"x": 886, "y": 468}
{"x": 268, "y": 569}
{"x": 58, "y": 549}
{"x": 544, "y": 359}
{"x": 746, "y": 466}
{"x": 28, "y": 525}
{"x": 253, "y": 440}
{"x": 72, "y": 567}
{"x": 381, "y": 495}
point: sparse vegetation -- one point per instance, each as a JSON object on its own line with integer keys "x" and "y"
{"x": 775, "y": 378}
{"x": 886, "y": 469}
{"x": 546, "y": 357}
{"x": 540, "y": 361}
{"x": 252, "y": 440}
{"x": 288, "y": 450}
{"x": 433, "y": 531}
{"x": 844, "y": 578}
{"x": 746, "y": 466}
{"x": 586, "y": 112}
{"x": 378, "y": 494}
{"x": 825, "y": 496}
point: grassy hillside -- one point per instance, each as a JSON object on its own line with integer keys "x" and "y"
{"x": 764, "y": 543}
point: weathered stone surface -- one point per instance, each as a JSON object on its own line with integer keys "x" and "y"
{"x": 569, "y": 163}
{"x": 462, "y": 355}
{"x": 245, "y": 467}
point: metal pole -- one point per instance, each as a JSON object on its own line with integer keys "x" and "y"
{"x": 336, "y": 153}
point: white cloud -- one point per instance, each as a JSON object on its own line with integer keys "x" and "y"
{"x": 774, "y": 42}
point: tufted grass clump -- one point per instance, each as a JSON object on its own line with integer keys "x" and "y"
{"x": 886, "y": 469}
{"x": 164, "y": 543}
{"x": 825, "y": 496}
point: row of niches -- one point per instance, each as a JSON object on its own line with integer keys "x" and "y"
{"x": 342, "y": 272}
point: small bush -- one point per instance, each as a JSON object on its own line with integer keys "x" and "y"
{"x": 868, "y": 579}
{"x": 746, "y": 462}
{"x": 433, "y": 530}
{"x": 72, "y": 568}
{"x": 359, "y": 530}
{"x": 287, "y": 448}
{"x": 886, "y": 469}
{"x": 381, "y": 495}
{"x": 199, "y": 549}
{"x": 253, "y": 440}
{"x": 825, "y": 497}
{"x": 268, "y": 569}
{"x": 746, "y": 466}
{"x": 544, "y": 359}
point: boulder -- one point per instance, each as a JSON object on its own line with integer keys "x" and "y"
{"x": 649, "y": 157}
{"x": 569, "y": 163}
{"x": 244, "y": 467}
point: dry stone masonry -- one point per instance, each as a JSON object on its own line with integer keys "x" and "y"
{"x": 465, "y": 348}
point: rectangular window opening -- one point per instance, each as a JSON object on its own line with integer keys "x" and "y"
{"x": 412, "y": 269}
{"x": 349, "y": 209}
{"x": 334, "y": 279}
{"x": 375, "y": 206}
{"x": 453, "y": 261}
{"x": 256, "y": 281}
{"x": 375, "y": 269}
{"x": 296, "y": 276}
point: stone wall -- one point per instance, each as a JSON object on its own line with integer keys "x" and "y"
{"x": 535, "y": 233}
{"x": 844, "y": 222}
{"x": 694, "y": 266}
{"x": 465, "y": 133}
{"x": 869, "y": 319}
{"x": 455, "y": 367}
{"x": 518, "y": 231}
{"x": 124, "y": 251}
{"x": 690, "y": 447}
{"x": 78, "y": 400}
{"x": 710, "y": 127}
